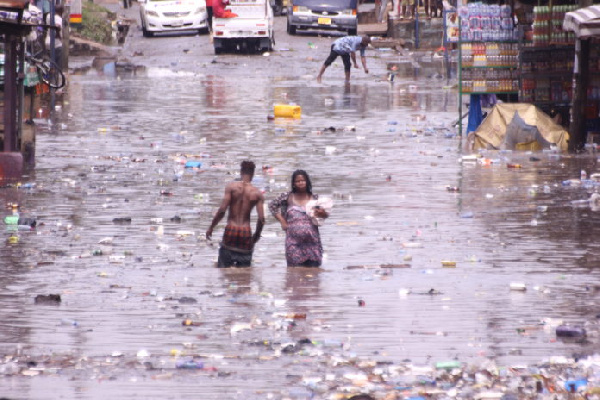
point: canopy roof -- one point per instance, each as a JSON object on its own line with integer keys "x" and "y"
{"x": 585, "y": 22}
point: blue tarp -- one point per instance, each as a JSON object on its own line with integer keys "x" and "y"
{"x": 475, "y": 114}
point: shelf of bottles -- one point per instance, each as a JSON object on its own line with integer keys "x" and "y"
{"x": 547, "y": 74}
{"x": 547, "y": 25}
{"x": 592, "y": 108}
{"x": 489, "y": 67}
{"x": 489, "y": 60}
{"x": 486, "y": 23}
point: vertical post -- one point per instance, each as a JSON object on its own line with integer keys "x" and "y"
{"x": 416, "y": 24}
{"x": 10, "y": 92}
{"x": 52, "y": 34}
{"x": 459, "y": 77}
{"x": 20, "y": 93}
{"x": 577, "y": 129}
{"x": 66, "y": 26}
{"x": 445, "y": 42}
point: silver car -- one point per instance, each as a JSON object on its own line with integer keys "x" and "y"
{"x": 338, "y": 15}
{"x": 173, "y": 16}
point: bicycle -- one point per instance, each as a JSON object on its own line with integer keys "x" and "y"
{"x": 48, "y": 71}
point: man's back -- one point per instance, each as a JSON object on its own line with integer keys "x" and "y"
{"x": 244, "y": 197}
{"x": 347, "y": 44}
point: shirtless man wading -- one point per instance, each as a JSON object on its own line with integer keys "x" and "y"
{"x": 238, "y": 241}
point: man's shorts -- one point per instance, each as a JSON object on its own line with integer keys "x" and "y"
{"x": 231, "y": 258}
{"x": 333, "y": 55}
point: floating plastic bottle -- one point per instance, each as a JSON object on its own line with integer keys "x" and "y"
{"x": 16, "y": 220}
{"x": 67, "y": 321}
{"x": 448, "y": 364}
{"x": 570, "y": 331}
{"x": 190, "y": 364}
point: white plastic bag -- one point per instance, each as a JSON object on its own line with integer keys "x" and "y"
{"x": 325, "y": 203}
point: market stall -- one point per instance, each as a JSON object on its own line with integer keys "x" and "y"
{"x": 524, "y": 54}
{"x": 15, "y": 25}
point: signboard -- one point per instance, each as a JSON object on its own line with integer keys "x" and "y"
{"x": 75, "y": 17}
{"x": 451, "y": 25}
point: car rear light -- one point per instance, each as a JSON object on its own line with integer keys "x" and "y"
{"x": 218, "y": 33}
{"x": 262, "y": 32}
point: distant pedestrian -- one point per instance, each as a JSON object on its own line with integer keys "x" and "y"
{"x": 238, "y": 241}
{"x": 346, "y": 47}
{"x": 209, "y": 13}
{"x": 57, "y": 29}
{"x": 408, "y": 9}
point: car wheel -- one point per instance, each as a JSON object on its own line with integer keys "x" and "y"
{"x": 145, "y": 31}
{"x": 218, "y": 46}
{"x": 291, "y": 29}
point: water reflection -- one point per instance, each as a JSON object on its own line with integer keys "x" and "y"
{"x": 239, "y": 281}
{"x": 119, "y": 157}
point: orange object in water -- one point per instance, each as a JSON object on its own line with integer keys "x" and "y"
{"x": 287, "y": 111}
{"x": 296, "y": 315}
{"x": 513, "y": 165}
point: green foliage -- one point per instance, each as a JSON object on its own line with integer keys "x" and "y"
{"x": 96, "y": 23}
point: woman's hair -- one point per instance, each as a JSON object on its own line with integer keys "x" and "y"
{"x": 306, "y": 177}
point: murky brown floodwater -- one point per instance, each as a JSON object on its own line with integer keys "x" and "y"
{"x": 118, "y": 151}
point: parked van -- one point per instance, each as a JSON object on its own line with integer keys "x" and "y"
{"x": 252, "y": 29}
{"x": 338, "y": 15}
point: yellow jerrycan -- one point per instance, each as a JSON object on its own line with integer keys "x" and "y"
{"x": 287, "y": 111}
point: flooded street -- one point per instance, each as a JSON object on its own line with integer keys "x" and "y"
{"x": 121, "y": 224}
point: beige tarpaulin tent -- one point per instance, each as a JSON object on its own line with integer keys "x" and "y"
{"x": 531, "y": 130}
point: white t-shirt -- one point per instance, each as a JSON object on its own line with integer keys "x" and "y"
{"x": 58, "y": 25}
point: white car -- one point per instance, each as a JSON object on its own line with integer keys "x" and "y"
{"x": 173, "y": 16}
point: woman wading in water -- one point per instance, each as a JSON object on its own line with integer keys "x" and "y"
{"x": 302, "y": 241}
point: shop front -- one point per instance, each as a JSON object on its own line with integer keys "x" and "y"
{"x": 521, "y": 53}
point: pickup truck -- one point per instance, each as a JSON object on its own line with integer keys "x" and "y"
{"x": 251, "y": 30}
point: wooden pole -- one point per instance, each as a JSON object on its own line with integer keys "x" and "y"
{"x": 10, "y": 92}
{"x": 66, "y": 27}
{"x": 577, "y": 129}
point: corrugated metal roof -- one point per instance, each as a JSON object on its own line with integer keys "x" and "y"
{"x": 585, "y": 22}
